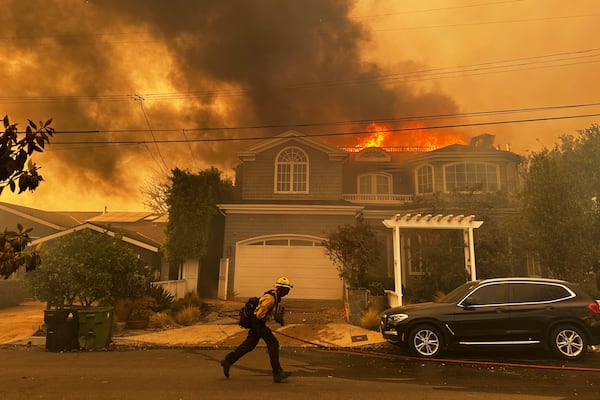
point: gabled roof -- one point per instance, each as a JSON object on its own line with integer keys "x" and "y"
{"x": 142, "y": 229}
{"x": 127, "y": 236}
{"x": 250, "y": 153}
{"x": 51, "y": 219}
{"x": 465, "y": 151}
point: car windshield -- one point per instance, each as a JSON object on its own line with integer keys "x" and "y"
{"x": 458, "y": 293}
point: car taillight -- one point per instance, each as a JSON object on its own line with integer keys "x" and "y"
{"x": 594, "y": 307}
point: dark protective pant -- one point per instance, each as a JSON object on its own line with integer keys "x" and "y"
{"x": 259, "y": 330}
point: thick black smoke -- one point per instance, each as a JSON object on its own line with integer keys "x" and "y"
{"x": 196, "y": 64}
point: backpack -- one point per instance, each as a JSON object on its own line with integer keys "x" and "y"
{"x": 247, "y": 312}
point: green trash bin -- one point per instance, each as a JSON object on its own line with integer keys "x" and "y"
{"x": 95, "y": 327}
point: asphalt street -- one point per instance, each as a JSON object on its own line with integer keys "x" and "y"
{"x": 194, "y": 373}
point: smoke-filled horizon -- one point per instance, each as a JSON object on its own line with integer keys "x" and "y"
{"x": 145, "y": 80}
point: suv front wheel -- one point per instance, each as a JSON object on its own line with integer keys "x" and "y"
{"x": 425, "y": 341}
{"x": 568, "y": 342}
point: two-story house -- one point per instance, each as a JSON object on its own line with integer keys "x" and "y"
{"x": 292, "y": 190}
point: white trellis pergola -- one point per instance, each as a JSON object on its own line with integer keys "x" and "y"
{"x": 418, "y": 221}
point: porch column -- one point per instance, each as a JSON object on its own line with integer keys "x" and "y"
{"x": 472, "y": 255}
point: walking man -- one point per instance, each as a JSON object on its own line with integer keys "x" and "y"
{"x": 268, "y": 307}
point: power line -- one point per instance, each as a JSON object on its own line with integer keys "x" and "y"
{"x": 486, "y": 23}
{"x": 427, "y": 10}
{"x": 162, "y": 166}
{"x": 348, "y": 122}
{"x": 332, "y": 134}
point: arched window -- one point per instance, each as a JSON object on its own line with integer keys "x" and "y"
{"x": 374, "y": 184}
{"x": 424, "y": 179}
{"x": 471, "y": 177}
{"x": 291, "y": 171}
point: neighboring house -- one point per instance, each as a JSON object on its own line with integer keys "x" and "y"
{"x": 293, "y": 190}
{"x": 143, "y": 232}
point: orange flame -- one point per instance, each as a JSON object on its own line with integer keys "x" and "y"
{"x": 378, "y": 134}
{"x": 413, "y": 136}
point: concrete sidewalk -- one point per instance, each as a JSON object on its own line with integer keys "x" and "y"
{"x": 309, "y": 327}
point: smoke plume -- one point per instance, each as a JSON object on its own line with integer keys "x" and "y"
{"x": 133, "y": 86}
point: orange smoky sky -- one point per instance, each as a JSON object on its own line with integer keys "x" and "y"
{"x": 136, "y": 88}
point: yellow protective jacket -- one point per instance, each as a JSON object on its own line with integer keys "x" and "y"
{"x": 268, "y": 305}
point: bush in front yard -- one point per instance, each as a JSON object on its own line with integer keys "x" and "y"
{"x": 370, "y": 319}
{"x": 161, "y": 320}
{"x": 188, "y": 316}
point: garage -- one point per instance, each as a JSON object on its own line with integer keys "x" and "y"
{"x": 259, "y": 262}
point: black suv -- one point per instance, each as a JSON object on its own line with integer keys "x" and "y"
{"x": 499, "y": 312}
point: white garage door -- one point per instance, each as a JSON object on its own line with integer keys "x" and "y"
{"x": 303, "y": 260}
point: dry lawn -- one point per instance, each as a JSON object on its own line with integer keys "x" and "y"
{"x": 21, "y": 322}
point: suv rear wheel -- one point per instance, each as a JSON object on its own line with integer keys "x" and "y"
{"x": 568, "y": 342}
{"x": 425, "y": 341}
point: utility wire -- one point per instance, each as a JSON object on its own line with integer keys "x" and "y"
{"x": 349, "y": 122}
{"x": 190, "y": 149}
{"x": 427, "y": 10}
{"x": 510, "y": 21}
{"x": 332, "y": 134}
{"x": 162, "y": 166}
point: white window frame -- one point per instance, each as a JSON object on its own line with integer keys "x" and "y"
{"x": 418, "y": 184}
{"x": 293, "y": 172}
{"x": 466, "y": 189}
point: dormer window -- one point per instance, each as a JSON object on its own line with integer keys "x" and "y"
{"x": 374, "y": 184}
{"x": 291, "y": 171}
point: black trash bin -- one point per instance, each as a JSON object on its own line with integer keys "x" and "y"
{"x": 62, "y": 329}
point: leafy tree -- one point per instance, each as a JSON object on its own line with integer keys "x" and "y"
{"x": 560, "y": 212}
{"x": 192, "y": 201}
{"x": 12, "y": 254}
{"x": 17, "y": 170}
{"x": 353, "y": 248}
{"x": 15, "y": 152}
{"x": 85, "y": 267}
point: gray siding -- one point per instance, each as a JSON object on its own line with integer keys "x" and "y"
{"x": 325, "y": 176}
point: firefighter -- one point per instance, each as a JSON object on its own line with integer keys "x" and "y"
{"x": 268, "y": 307}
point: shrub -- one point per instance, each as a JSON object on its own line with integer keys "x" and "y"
{"x": 164, "y": 299}
{"x": 142, "y": 308}
{"x": 370, "y": 319}
{"x": 191, "y": 299}
{"x": 353, "y": 248}
{"x": 188, "y": 316}
{"x": 161, "y": 320}
{"x": 86, "y": 267}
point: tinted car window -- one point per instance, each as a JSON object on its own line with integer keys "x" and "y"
{"x": 488, "y": 294}
{"x": 529, "y": 293}
{"x": 458, "y": 293}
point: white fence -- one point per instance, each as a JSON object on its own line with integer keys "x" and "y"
{"x": 176, "y": 287}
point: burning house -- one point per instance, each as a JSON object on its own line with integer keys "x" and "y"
{"x": 292, "y": 190}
